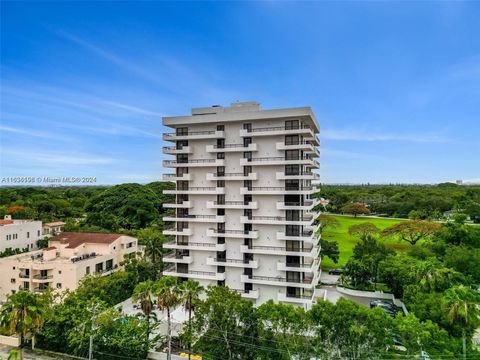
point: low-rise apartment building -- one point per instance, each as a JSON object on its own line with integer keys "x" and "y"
{"x": 53, "y": 228}
{"x": 68, "y": 258}
{"x": 19, "y": 234}
{"x": 244, "y": 214}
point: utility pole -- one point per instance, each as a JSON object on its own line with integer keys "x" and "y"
{"x": 90, "y": 346}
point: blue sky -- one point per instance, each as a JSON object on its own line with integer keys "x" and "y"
{"x": 394, "y": 85}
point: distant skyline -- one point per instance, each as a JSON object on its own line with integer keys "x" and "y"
{"x": 395, "y": 86}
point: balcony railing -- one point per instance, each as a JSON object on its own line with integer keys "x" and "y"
{"x": 279, "y": 128}
{"x": 280, "y": 279}
{"x": 190, "y": 161}
{"x": 280, "y": 248}
{"x": 24, "y": 276}
{"x": 229, "y": 146}
{"x": 191, "y": 244}
{"x": 42, "y": 277}
{"x": 231, "y": 261}
{"x": 279, "y": 188}
{"x": 209, "y": 132}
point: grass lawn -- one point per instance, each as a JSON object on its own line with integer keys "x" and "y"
{"x": 347, "y": 242}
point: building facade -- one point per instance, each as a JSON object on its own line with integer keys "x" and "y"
{"x": 69, "y": 257}
{"x": 244, "y": 213}
{"x": 19, "y": 234}
{"x": 53, "y": 228}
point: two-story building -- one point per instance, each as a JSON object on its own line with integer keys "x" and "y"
{"x": 19, "y": 234}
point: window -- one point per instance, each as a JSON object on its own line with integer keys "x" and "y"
{"x": 59, "y": 271}
{"x": 129, "y": 245}
{"x": 247, "y": 155}
{"x": 221, "y": 199}
{"x": 220, "y": 170}
{"x": 292, "y": 215}
{"x": 220, "y": 155}
{"x": 28, "y": 235}
{"x": 109, "y": 264}
{"x": 291, "y": 140}
{"x": 220, "y": 183}
{"x": 12, "y": 281}
{"x": 247, "y": 170}
{"x": 99, "y": 267}
{"x": 87, "y": 270}
{"x": 292, "y": 169}
{"x": 59, "y": 285}
{"x": 292, "y": 124}
{"x": 220, "y": 127}
{"x": 181, "y": 131}
{"x": 292, "y": 155}
{"x": 292, "y": 185}
{"x": 38, "y": 233}
{"x": 247, "y": 141}
{"x": 182, "y": 158}
{"x": 247, "y": 127}
{"x": 181, "y": 144}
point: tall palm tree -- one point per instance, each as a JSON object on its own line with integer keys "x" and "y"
{"x": 23, "y": 314}
{"x": 168, "y": 298}
{"x": 143, "y": 292}
{"x": 462, "y": 305}
{"x": 191, "y": 291}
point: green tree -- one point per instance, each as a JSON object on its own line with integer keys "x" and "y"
{"x": 226, "y": 325}
{"x": 463, "y": 308}
{"x": 411, "y": 231}
{"x": 190, "y": 292}
{"x": 143, "y": 292}
{"x": 330, "y": 249}
{"x": 327, "y": 221}
{"x": 363, "y": 229}
{"x": 153, "y": 240}
{"x": 355, "y": 209}
{"x": 23, "y": 314}
{"x": 168, "y": 298}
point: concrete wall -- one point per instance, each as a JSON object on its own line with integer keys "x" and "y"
{"x": 373, "y": 295}
{"x": 9, "y": 340}
{"x": 23, "y": 233}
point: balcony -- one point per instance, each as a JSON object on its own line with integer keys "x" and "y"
{"x": 238, "y": 263}
{"x": 231, "y": 148}
{"x": 311, "y": 252}
{"x": 233, "y": 234}
{"x": 182, "y": 205}
{"x": 197, "y": 191}
{"x": 232, "y": 205}
{"x": 308, "y": 190}
{"x": 231, "y": 176}
{"x": 301, "y": 176}
{"x": 194, "y": 246}
{"x": 192, "y": 274}
{"x": 275, "y": 160}
{"x": 296, "y": 299}
{"x": 280, "y": 130}
{"x": 303, "y": 236}
{"x": 40, "y": 289}
{"x": 177, "y": 259}
{"x": 305, "y": 146}
{"x": 23, "y": 276}
{"x": 295, "y": 205}
{"x": 175, "y": 231}
{"x": 196, "y": 218}
{"x": 194, "y": 135}
{"x": 306, "y": 283}
{"x": 272, "y": 220}
{"x": 194, "y": 163}
{"x": 305, "y": 268}
{"x": 248, "y": 294}
{"x": 42, "y": 278}
{"x": 174, "y": 177}
{"x": 173, "y": 150}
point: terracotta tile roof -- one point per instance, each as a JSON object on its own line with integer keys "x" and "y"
{"x": 6, "y": 222}
{"x": 76, "y": 239}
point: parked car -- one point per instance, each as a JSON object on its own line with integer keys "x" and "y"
{"x": 335, "y": 272}
{"x": 397, "y": 343}
{"x": 389, "y": 308}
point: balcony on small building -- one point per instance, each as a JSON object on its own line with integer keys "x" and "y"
{"x": 231, "y": 148}
{"x": 194, "y": 135}
{"x": 234, "y": 234}
{"x": 238, "y": 263}
{"x": 231, "y": 176}
{"x": 174, "y": 150}
{"x": 248, "y": 294}
{"x": 194, "y": 163}
{"x": 232, "y": 205}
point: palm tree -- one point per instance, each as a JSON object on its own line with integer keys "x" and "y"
{"x": 462, "y": 305}
{"x": 168, "y": 297}
{"x": 190, "y": 290}
{"x": 23, "y": 314}
{"x": 143, "y": 292}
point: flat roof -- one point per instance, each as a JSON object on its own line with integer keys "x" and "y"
{"x": 240, "y": 112}
{"x": 75, "y": 239}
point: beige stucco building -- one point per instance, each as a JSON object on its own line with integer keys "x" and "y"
{"x": 244, "y": 213}
{"x": 19, "y": 234}
{"x": 53, "y": 228}
{"x": 69, "y": 257}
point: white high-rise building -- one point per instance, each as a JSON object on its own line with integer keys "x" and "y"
{"x": 244, "y": 213}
